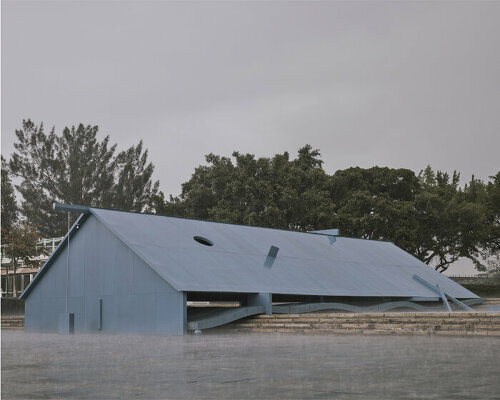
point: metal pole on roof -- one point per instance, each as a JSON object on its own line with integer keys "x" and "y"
{"x": 67, "y": 266}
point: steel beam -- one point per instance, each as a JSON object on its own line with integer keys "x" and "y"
{"x": 435, "y": 289}
{"x": 71, "y": 208}
{"x": 458, "y": 302}
{"x": 443, "y": 296}
{"x": 224, "y": 317}
{"x": 440, "y": 292}
{"x": 313, "y": 307}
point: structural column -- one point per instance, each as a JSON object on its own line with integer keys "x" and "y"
{"x": 261, "y": 299}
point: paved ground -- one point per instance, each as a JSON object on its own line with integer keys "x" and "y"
{"x": 42, "y": 366}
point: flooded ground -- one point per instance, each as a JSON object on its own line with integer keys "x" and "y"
{"x": 238, "y": 366}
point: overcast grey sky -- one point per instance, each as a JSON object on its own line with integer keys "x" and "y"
{"x": 389, "y": 84}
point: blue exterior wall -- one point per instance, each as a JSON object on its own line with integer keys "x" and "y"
{"x": 134, "y": 298}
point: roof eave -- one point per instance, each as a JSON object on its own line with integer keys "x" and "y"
{"x": 73, "y": 230}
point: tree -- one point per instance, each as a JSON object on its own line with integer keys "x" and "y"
{"x": 454, "y": 222}
{"x": 9, "y": 205}
{"x": 76, "y": 168}
{"x": 21, "y": 245}
{"x": 492, "y": 270}
{"x": 492, "y": 202}
{"x": 9, "y": 209}
{"x": 134, "y": 189}
{"x": 273, "y": 192}
{"x": 428, "y": 215}
{"x": 376, "y": 203}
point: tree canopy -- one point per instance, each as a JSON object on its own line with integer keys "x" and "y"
{"x": 76, "y": 167}
{"x": 21, "y": 245}
{"x": 273, "y": 192}
{"x": 9, "y": 205}
{"x": 428, "y": 215}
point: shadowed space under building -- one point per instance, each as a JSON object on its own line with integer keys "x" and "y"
{"x": 121, "y": 272}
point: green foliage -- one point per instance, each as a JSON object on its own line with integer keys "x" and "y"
{"x": 9, "y": 205}
{"x": 427, "y": 215}
{"x": 21, "y": 246}
{"x": 376, "y": 203}
{"x": 492, "y": 270}
{"x": 452, "y": 223}
{"x": 134, "y": 188}
{"x": 484, "y": 289}
{"x": 76, "y": 168}
{"x": 492, "y": 202}
{"x": 273, "y": 192}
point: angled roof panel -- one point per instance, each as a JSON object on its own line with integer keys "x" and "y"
{"x": 307, "y": 263}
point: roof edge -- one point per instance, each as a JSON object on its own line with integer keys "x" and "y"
{"x": 89, "y": 210}
{"x": 80, "y": 221}
{"x": 121, "y": 239}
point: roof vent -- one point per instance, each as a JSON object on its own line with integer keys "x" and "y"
{"x": 273, "y": 251}
{"x": 271, "y": 256}
{"x": 203, "y": 241}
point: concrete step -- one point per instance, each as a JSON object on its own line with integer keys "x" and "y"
{"x": 379, "y": 317}
{"x": 361, "y": 324}
{"x": 380, "y": 325}
{"x": 382, "y": 319}
{"x": 477, "y": 323}
{"x": 461, "y": 331}
{"x": 12, "y": 322}
{"x": 371, "y": 332}
{"x": 415, "y": 314}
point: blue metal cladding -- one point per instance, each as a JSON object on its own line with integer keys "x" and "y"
{"x": 103, "y": 272}
{"x": 307, "y": 263}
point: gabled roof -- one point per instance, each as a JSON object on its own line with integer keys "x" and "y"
{"x": 306, "y": 263}
{"x": 62, "y": 244}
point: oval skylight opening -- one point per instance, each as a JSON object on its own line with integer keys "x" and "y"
{"x": 203, "y": 241}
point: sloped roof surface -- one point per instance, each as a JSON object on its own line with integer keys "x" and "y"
{"x": 306, "y": 263}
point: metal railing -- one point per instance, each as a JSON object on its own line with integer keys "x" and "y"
{"x": 49, "y": 245}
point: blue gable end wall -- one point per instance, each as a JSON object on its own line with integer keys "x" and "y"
{"x": 135, "y": 299}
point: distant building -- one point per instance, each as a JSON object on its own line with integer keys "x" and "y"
{"x": 24, "y": 274}
{"x": 135, "y": 273}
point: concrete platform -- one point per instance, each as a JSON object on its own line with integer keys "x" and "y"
{"x": 399, "y": 323}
